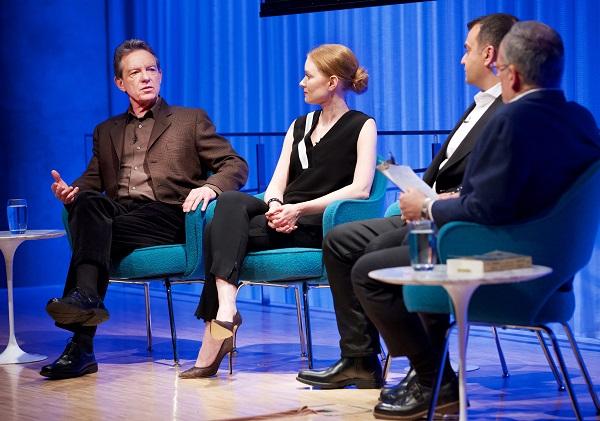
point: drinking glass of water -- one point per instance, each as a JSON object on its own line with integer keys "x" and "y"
{"x": 421, "y": 245}
{"x": 16, "y": 212}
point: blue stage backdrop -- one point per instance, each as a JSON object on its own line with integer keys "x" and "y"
{"x": 219, "y": 55}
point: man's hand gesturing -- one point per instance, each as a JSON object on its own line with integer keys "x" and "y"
{"x": 62, "y": 191}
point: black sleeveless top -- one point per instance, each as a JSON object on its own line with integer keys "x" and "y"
{"x": 331, "y": 161}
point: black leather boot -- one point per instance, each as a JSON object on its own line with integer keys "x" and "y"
{"x": 390, "y": 394}
{"x": 362, "y": 372}
{"x": 77, "y": 307}
{"x": 74, "y": 362}
{"x": 412, "y": 402}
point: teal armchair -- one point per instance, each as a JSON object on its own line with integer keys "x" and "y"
{"x": 172, "y": 264}
{"x": 562, "y": 238}
{"x": 303, "y": 267}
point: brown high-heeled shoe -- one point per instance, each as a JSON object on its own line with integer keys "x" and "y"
{"x": 222, "y": 330}
{"x": 219, "y": 330}
{"x": 211, "y": 370}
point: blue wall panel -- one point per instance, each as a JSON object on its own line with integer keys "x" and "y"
{"x": 54, "y": 89}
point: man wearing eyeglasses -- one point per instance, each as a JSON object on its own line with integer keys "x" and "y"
{"x": 530, "y": 153}
{"x": 346, "y": 244}
{"x": 149, "y": 167}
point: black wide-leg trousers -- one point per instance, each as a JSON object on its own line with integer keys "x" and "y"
{"x": 103, "y": 230}
{"x": 239, "y": 225}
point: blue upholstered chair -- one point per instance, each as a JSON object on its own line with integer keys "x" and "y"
{"x": 562, "y": 238}
{"x": 439, "y": 300}
{"x": 172, "y": 264}
{"x": 295, "y": 267}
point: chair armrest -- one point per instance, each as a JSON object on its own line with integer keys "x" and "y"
{"x": 342, "y": 211}
{"x": 194, "y": 230}
{"x": 393, "y": 210}
{"x": 65, "y": 220}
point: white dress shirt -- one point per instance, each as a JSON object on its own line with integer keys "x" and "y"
{"x": 483, "y": 101}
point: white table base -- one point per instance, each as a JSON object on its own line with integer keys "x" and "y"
{"x": 461, "y": 296}
{"x": 13, "y": 354}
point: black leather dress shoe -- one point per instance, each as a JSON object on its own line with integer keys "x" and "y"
{"x": 363, "y": 372}
{"x": 413, "y": 402}
{"x": 77, "y": 307}
{"x": 390, "y": 394}
{"x": 73, "y": 362}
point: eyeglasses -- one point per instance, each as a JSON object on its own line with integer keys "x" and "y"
{"x": 498, "y": 69}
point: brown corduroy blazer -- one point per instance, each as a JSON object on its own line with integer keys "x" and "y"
{"x": 182, "y": 151}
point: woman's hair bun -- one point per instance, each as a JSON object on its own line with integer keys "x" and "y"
{"x": 360, "y": 81}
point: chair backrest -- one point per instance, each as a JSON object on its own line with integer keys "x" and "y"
{"x": 343, "y": 211}
{"x": 393, "y": 209}
{"x": 562, "y": 238}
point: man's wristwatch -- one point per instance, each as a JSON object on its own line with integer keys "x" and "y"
{"x": 425, "y": 208}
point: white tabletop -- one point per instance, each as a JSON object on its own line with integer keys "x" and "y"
{"x": 405, "y": 275}
{"x": 32, "y": 234}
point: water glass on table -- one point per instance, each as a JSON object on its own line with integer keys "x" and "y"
{"x": 16, "y": 212}
{"x": 421, "y": 245}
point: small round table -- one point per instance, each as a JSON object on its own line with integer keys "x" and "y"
{"x": 9, "y": 243}
{"x": 460, "y": 288}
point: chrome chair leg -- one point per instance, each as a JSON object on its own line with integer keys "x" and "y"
{"x": 172, "y": 321}
{"x": 438, "y": 380}
{"x": 307, "y": 324}
{"x": 299, "y": 317}
{"x": 148, "y": 315}
{"x": 565, "y": 373}
{"x": 386, "y": 366}
{"x": 505, "y": 372}
{"x": 240, "y": 285}
{"x": 582, "y": 366}
{"x": 551, "y": 363}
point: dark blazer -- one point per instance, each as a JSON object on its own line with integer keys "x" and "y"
{"x": 451, "y": 175}
{"x": 531, "y": 152}
{"x": 182, "y": 150}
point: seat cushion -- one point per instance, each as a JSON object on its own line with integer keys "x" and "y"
{"x": 282, "y": 264}
{"x": 152, "y": 262}
{"x": 426, "y": 299}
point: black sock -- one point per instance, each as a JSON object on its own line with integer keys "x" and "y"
{"x": 449, "y": 374}
{"x": 85, "y": 341}
{"x": 426, "y": 366}
{"x": 87, "y": 278}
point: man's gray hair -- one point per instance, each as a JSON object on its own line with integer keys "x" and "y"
{"x": 537, "y": 51}
{"x": 126, "y": 47}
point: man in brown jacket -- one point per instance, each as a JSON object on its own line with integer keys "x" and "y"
{"x": 150, "y": 165}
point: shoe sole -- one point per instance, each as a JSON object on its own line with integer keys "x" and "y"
{"x": 88, "y": 369}
{"x": 440, "y": 410}
{"x": 69, "y": 314}
{"x": 360, "y": 384}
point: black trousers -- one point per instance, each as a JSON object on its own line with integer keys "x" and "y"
{"x": 365, "y": 307}
{"x": 239, "y": 226}
{"x": 103, "y": 230}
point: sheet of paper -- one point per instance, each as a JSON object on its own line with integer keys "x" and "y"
{"x": 405, "y": 178}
